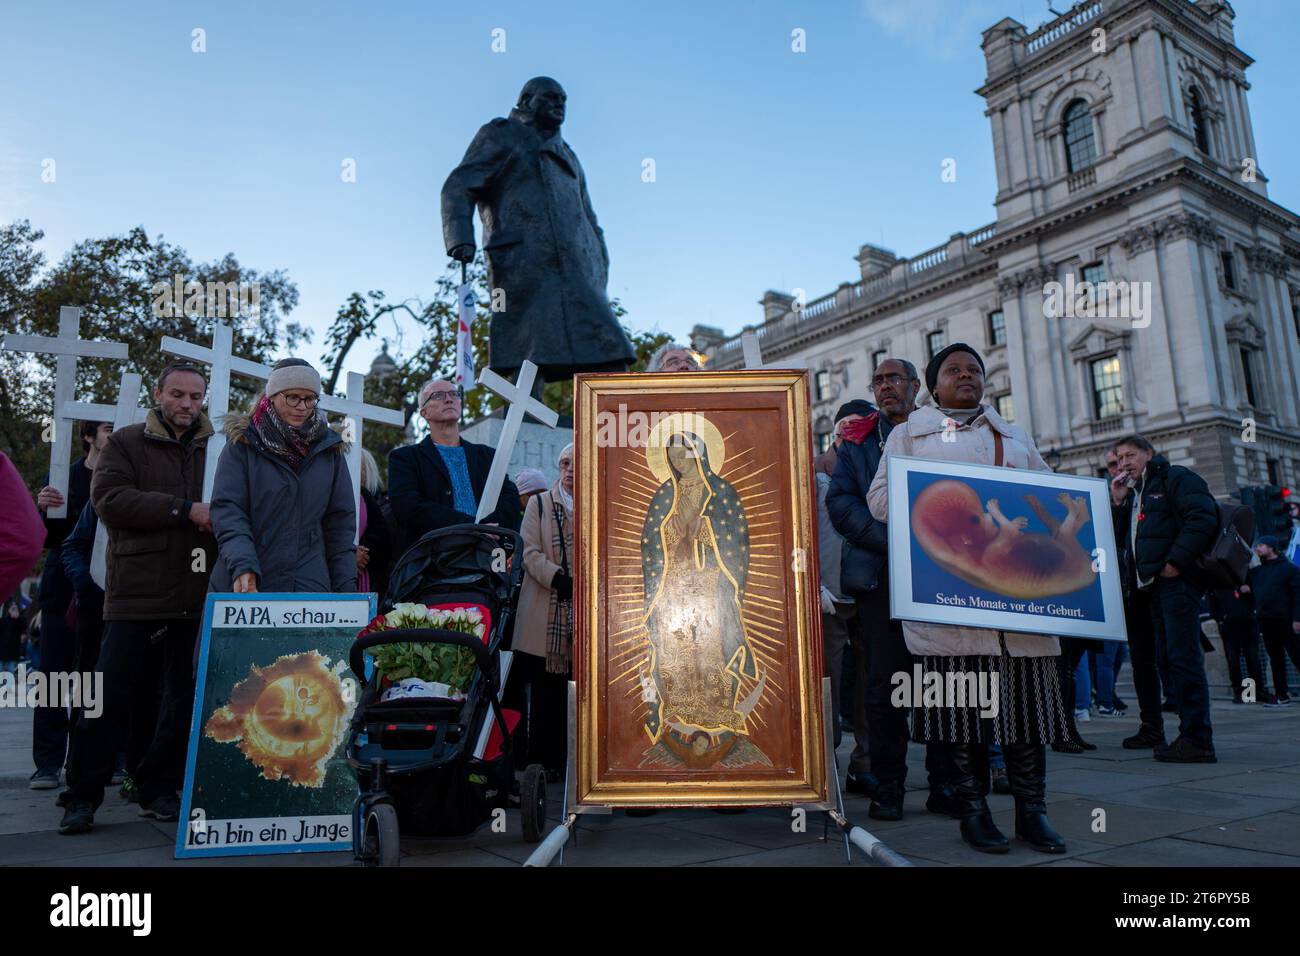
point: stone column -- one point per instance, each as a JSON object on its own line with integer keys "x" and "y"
{"x": 1017, "y": 354}
{"x": 1269, "y": 275}
{"x": 1192, "y": 341}
{"x": 1161, "y": 392}
{"x": 1048, "y": 396}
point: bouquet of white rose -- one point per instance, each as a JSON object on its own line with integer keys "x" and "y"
{"x": 413, "y": 665}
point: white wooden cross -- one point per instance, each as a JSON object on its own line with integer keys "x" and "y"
{"x": 358, "y": 411}
{"x": 519, "y": 396}
{"x": 754, "y": 354}
{"x": 67, "y": 346}
{"x": 126, "y": 412}
{"x": 223, "y": 365}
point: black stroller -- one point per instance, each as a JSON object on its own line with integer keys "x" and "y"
{"x": 433, "y": 766}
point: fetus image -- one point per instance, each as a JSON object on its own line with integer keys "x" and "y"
{"x": 982, "y": 546}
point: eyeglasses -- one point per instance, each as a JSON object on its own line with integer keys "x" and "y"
{"x": 894, "y": 379}
{"x": 443, "y": 395}
{"x": 295, "y": 401}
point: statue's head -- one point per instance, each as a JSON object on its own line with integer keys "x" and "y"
{"x": 541, "y": 103}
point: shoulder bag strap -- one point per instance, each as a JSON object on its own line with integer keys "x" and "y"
{"x": 557, "y": 510}
{"x": 997, "y": 448}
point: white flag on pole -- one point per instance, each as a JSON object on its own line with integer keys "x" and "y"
{"x": 464, "y": 338}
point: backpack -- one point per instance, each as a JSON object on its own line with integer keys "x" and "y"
{"x": 1223, "y": 564}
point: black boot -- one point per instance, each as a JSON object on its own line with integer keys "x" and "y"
{"x": 944, "y": 800}
{"x": 888, "y": 802}
{"x": 1027, "y": 773}
{"x": 971, "y": 784}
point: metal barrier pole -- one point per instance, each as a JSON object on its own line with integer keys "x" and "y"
{"x": 549, "y": 848}
{"x": 876, "y": 851}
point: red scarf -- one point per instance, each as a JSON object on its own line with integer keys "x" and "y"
{"x": 857, "y": 430}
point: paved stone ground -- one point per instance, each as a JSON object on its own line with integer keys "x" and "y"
{"x": 1242, "y": 811}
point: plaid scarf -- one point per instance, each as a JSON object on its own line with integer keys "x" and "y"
{"x": 277, "y": 437}
{"x": 559, "y": 619}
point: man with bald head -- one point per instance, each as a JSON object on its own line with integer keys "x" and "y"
{"x": 547, "y": 262}
{"x": 437, "y": 482}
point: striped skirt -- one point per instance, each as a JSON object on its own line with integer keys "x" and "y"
{"x": 1027, "y": 706}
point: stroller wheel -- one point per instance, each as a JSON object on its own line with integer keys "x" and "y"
{"x": 532, "y": 802}
{"x": 381, "y": 841}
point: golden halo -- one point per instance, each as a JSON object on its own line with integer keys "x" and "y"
{"x": 694, "y": 422}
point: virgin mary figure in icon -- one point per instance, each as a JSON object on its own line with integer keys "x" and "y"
{"x": 695, "y": 559}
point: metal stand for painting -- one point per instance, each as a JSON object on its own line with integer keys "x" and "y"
{"x": 554, "y": 843}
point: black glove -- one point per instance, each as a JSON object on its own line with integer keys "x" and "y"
{"x": 562, "y": 585}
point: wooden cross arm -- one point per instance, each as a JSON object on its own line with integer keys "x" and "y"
{"x": 81, "y": 348}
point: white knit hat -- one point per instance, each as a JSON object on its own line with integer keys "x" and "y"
{"x": 293, "y": 373}
{"x": 529, "y": 480}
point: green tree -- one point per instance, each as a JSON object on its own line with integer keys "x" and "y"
{"x": 113, "y": 281}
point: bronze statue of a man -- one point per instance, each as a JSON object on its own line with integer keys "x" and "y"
{"x": 543, "y": 247}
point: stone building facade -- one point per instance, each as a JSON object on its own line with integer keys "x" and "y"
{"x": 1126, "y": 159}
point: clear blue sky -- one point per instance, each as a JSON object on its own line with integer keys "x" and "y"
{"x": 772, "y": 167}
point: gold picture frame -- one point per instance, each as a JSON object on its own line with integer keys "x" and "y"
{"x": 697, "y": 631}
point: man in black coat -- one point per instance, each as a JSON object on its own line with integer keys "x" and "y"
{"x": 1275, "y": 585}
{"x": 545, "y": 251}
{"x": 1234, "y": 611}
{"x": 1168, "y": 518}
{"x": 437, "y": 483}
{"x": 864, "y": 575}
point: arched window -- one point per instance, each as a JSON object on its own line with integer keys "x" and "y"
{"x": 1080, "y": 147}
{"x": 1197, "y": 113}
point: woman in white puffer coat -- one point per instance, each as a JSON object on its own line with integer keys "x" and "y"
{"x": 1030, "y": 712}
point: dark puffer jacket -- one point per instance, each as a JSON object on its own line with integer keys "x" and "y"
{"x": 863, "y": 563}
{"x": 1276, "y": 586}
{"x": 294, "y": 530}
{"x": 1231, "y": 605}
{"x": 1177, "y": 517}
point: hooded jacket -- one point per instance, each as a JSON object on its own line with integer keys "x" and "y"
{"x": 921, "y": 436}
{"x": 294, "y": 530}
{"x": 142, "y": 489}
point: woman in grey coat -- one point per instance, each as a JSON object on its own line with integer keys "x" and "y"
{"x": 282, "y": 504}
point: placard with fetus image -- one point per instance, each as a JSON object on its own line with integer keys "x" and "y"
{"x": 982, "y": 546}
{"x": 266, "y": 770}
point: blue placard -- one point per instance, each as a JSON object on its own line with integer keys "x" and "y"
{"x": 1003, "y": 548}
{"x": 265, "y": 772}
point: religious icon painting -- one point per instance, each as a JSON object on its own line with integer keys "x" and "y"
{"x": 697, "y": 640}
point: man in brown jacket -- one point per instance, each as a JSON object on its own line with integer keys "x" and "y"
{"x": 146, "y": 490}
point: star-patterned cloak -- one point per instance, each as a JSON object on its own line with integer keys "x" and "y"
{"x": 724, "y": 513}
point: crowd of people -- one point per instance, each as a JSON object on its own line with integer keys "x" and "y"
{"x": 281, "y": 517}
{"x": 1164, "y": 518}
